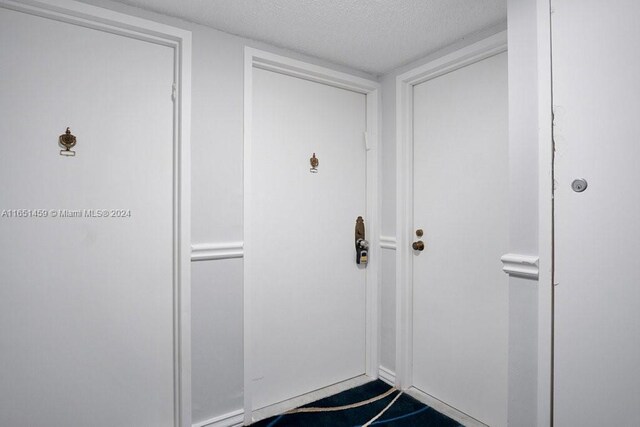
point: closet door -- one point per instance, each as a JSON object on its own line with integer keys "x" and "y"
{"x": 460, "y": 205}
{"x": 86, "y": 242}
{"x": 596, "y": 97}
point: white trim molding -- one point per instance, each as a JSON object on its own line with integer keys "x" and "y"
{"x": 388, "y": 242}
{"x": 296, "y": 402}
{"x": 211, "y": 251}
{"x": 253, "y": 59}
{"x": 524, "y": 266}
{"x": 387, "y": 375}
{"x": 443, "y": 408}
{"x": 475, "y": 52}
{"x": 100, "y": 19}
{"x": 230, "y": 419}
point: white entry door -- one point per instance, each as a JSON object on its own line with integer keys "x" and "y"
{"x": 307, "y": 293}
{"x": 460, "y": 296}
{"x": 596, "y": 96}
{"x": 86, "y": 242}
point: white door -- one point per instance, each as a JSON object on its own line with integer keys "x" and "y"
{"x": 460, "y": 299}
{"x": 86, "y": 302}
{"x": 308, "y": 294}
{"x": 596, "y": 96}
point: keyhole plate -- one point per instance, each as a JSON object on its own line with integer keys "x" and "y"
{"x": 579, "y": 185}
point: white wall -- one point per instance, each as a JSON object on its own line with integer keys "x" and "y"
{"x": 388, "y": 224}
{"x": 523, "y": 204}
{"x": 217, "y": 146}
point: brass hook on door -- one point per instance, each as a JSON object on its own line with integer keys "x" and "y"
{"x": 68, "y": 141}
{"x": 314, "y": 163}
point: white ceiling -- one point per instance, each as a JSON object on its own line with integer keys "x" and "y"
{"x": 374, "y": 36}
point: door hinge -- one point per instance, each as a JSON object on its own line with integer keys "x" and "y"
{"x": 366, "y": 142}
{"x": 174, "y": 92}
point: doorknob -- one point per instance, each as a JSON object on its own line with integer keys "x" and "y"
{"x": 418, "y": 246}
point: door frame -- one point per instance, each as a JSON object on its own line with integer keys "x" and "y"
{"x": 405, "y": 82}
{"x": 179, "y": 40}
{"x": 255, "y": 58}
{"x": 545, "y": 216}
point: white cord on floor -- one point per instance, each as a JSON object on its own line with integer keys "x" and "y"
{"x": 371, "y": 421}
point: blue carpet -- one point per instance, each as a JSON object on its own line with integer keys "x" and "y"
{"x": 405, "y": 412}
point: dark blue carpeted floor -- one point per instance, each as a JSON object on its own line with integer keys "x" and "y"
{"x": 405, "y": 412}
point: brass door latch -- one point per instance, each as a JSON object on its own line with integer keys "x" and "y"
{"x": 362, "y": 246}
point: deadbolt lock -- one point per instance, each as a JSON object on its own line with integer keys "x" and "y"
{"x": 418, "y": 246}
{"x": 419, "y": 232}
{"x": 579, "y": 185}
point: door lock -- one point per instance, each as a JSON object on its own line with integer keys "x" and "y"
{"x": 579, "y": 185}
{"x": 362, "y": 246}
{"x": 418, "y": 246}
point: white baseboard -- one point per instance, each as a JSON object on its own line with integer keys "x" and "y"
{"x": 387, "y": 375}
{"x": 236, "y": 418}
{"x": 287, "y": 405}
{"x": 443, "y": 408}
{"x": 230, "y": 419}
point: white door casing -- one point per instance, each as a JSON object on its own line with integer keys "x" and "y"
{"x": 277, "y": 178}
{"x": 597, "y": 236}
{"x": 95, "y": 310}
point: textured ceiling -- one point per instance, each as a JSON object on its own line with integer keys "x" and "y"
{"x": 375, "y": 36}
